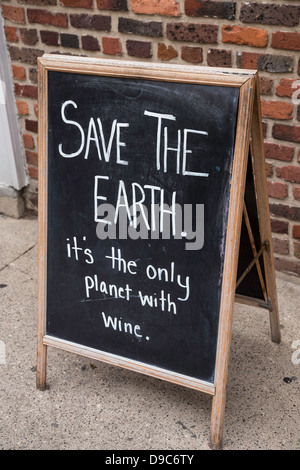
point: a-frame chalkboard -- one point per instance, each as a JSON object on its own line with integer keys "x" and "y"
{"x": 153, "y": 217}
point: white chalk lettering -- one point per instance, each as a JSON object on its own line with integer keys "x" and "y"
{"x": 99, "y": 198}
{"x": 120, "y": 144}
{"x": 96, "y": 136}
{"x": 74, "y": 249}
{"x": 94, "y": 284}
{"x": 73, "y": 123}
{"x": 185, "y": 151}
{"x": 120, "y": 263}
{"x": 159, "y": 116}
{"x": 107, "y": 150}
{"x": 169, "y": 275}
{"x": 163, "y": 301}
{"x": 92, "y": 136}
{"x": 118, "y": 324}
{"x": 178, "y": 149}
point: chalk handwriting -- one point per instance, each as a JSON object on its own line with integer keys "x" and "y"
{"x": 93, "y": 138}
{"x": 94, "y": 135}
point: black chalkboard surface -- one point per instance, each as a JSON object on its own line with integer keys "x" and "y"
{"x": 155, "y": 300}
{"x": 251, "y": 284}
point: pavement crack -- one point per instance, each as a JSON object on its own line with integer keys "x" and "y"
{"x": 17, "y": 257}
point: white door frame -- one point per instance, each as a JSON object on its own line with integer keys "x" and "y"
{"x": 12, "y": 164}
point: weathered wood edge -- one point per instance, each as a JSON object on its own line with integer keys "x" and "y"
{"x": 132, "y": 365}
{"x": 260, "y": 181}
{"x": 151, "y": 71}
{"x": 231, "y": 258}
{"x": 42, "y": 230}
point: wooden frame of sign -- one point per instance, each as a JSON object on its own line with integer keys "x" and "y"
{"x": 248, "y": 136}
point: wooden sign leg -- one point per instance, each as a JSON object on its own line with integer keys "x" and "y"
{"x": 41, "y": 367}
{"x": 264, "y": 214}
{"x": 218, "y": 407}
{"x": 223, "y": 353}
{"x": 42, "y": 210}
{"x": 231, "y": 261}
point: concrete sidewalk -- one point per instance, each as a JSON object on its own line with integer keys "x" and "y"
{"x": 91, "y": 405}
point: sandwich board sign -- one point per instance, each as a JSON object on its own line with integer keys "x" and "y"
{"x": 153, "y": 217}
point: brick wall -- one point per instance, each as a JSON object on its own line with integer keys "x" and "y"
{"x": 254, "y": 35}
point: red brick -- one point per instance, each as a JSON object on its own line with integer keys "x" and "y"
{"x": 142, "y": 28}
{"x": 248, "y": 60}
{"x": 22, "y": 108}
{"x": 140, "y": 49}
{"x": 19, "y": 72}
{"x": 193, "y": 32}
{"x": 33, "y": 172}
{"x": 288, "y": 212}
{"x": 156, "y": 7}
{"x": 244, "y": 35}
{"x": 264, "y": 128}
{"x": 269, "y": 169}
{"x": 69, "y": 40}
{"x": 51, "y": 38}
{"x": 166, "y": 52}
{"x": 286, "y": 40}
{"x": 31, "y": 125}
{"x": 46, "y": 17}
{"x": 276, "y": 110}
{"x": 289, "y": 173}
{"x": 77, "y": 3}
{"x": 266, "y": 86}
{"x": 296, "y": 193}
{"x": 111, "y": 46}
{"x": 279, "y": 226}
{"x": 284, "y": 132}
{"x": 27, "y": 91}
{"x": 281, "y": 247}
{"x": 24, "y": 54}
{"x": 28, "y": 36}
{"x": 265, "y": 62}
{"x": 277, "y": 190}
{"x": 11, "y": 34}
{"x": 192, "y": 54}
{"x": 31, "y": 157}
{"x": 219, "y": 58}
{"x": 212, "y": 9}
{"x": 90, "y": 43}
{"x": 28, "y": 141}
{"x": 296, "y": 231}
{"x": 12, "y": 13}
{"x": 115, "y": 5}
{"x": 271, "y": 14}
{"x": 279, "y": 152}
{"x": 97, "y": 22}
{"x": 287, "y": 87}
